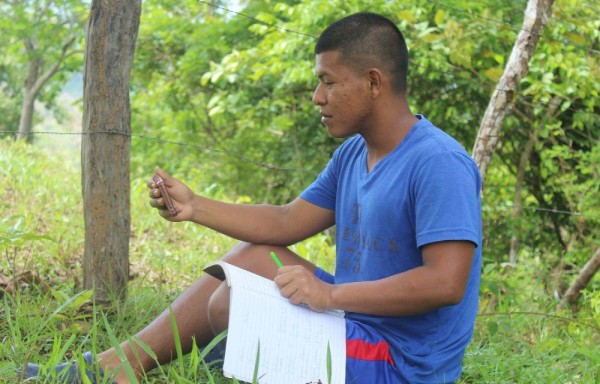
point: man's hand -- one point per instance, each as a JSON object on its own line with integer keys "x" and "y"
{"x": 301, "y": 286}
{"x": 181, "y": 195}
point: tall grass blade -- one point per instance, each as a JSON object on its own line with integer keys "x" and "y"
{"x": 60, "y": 308}
{"x": 209, "y": 375}
{"x": 81, "y": 363}
{"x": 209, "y": 347}
{"x": 113, "y": 340}
{"x": 194, "y": 360}
{"x": 177, "y": 341}
{"x": 328, "y": 363}
{"x": 256, "y": 363}
{"x": 13, "y": 327}
{"x": 146, "y": 349}
{"x": 67, "y": 345}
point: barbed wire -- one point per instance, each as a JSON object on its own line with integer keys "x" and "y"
{"x": 542, "y": 209}
{"x": 163, "y": 141}
{"x": 255, "y": 162}
{"x": 256, "y": 19}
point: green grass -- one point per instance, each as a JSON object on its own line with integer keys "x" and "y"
{"x": 48, "y": 319}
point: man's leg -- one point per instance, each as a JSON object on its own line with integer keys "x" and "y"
{"x": 191, "y": 312}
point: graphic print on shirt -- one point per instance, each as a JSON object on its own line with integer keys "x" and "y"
{"x": 356, "y": 216}
{"x": 361, "y": 245}
{"x": 353, "y": 256}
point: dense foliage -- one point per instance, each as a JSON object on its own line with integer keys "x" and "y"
{"x": 519, "y": 336}
{"x": 234, "y": 91}
{"x": 222, "y": 99}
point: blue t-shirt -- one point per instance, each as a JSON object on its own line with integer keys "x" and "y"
{"x": 426, "y": 190}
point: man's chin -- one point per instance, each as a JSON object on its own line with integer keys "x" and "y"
{"x": 336, "y": 133}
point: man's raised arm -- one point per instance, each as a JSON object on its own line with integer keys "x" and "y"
{"x": 254, "y": 223}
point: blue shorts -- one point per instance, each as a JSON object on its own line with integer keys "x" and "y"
{"x": 368, "y": 357}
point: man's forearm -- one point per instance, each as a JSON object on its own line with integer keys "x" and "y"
{"x": 410, "y": 293}
{"x": 441, "y": 281}
{"x": 255, "y": 223}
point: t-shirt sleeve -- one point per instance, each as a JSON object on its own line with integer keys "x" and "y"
{"x": 447, "y": 199}
{"x": 322, "y": 192}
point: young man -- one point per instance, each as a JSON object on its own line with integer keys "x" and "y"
{"x": 405, "y": 200}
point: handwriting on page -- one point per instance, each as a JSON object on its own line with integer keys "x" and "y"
{"x": 293, "y": 339}
{"x": 286, "y": 333}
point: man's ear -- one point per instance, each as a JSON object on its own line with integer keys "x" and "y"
{"x": 375, "y": 81}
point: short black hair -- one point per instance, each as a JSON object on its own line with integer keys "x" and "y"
{"x": 368, "y": 40}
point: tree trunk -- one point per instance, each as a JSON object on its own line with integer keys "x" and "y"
{"x": 26, "y": 120}
{"x": 586, "y": 274}
{"x": 537, "y": 14}
{"x": 29, "y": 93}
{"x": 35, "y": 82}
{"x": 110, "y": 45}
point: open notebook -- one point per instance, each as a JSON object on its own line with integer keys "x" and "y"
{"x": 294, "y": 340}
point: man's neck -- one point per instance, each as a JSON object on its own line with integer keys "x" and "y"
{"x": 388, "y": 132}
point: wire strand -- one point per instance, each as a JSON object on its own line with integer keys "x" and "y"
{"x": 130, "y": 135}
{"x": 256, "y": 19}
{"x": 257, "y": 163}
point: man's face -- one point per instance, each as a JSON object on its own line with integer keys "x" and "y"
{"x": 343, "y": 95}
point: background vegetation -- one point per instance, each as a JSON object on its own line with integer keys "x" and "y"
{"x": 222, "y": 99}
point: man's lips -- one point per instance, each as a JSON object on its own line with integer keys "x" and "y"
{"x": 325, "y": 117}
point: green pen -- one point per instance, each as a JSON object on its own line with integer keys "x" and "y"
{"x": 276, "y": 259}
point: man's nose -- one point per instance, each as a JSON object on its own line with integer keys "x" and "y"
{"x": 318, "y": 96}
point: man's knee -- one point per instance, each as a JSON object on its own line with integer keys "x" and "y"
{"x": 253, "y": 257}
{"x": 244, "y": 251}
{"x": 257, "y": 258}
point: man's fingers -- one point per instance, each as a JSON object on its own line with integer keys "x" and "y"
{"x": 157, "y": 203}
{"x": 296, "y": 298}
{"x": 164, "y": 175}
{"x": 288, "y": 291}
{"x": 164, "y": 212}
{"x": 160, "y": 205}
{"x": 150, "y": 184}
{"x": 154, "y": 193}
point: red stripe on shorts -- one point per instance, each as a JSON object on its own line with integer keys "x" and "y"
{"x": 360, "y": 349}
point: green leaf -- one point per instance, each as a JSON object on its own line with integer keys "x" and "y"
{"x": 576, "y": 38}
{"x": 492, "y": 328}
{"x": 80, "y": 300}
{"x": 406, "y": 16}
{"x": 431, "y": 37}
{"x": 439, "y": 16}
{"x": 493, "y": 73}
